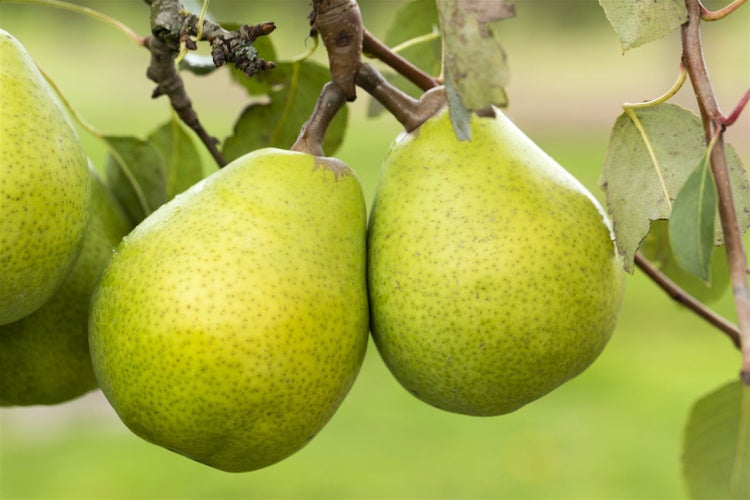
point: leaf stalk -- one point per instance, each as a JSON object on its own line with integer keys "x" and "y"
{"x": 708, "y": 15}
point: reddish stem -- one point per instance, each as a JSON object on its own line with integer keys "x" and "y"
{"x": 692, "y": 56}
{"x": 729, "y": 120}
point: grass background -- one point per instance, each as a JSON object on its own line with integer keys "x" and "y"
{"x": 613, "y": 432}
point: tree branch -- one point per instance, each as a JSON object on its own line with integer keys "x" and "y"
{"x": 692, "y": 58}
{"x": 340, "y": 26}
{"x": 162, "y": 71}
{"x": 679, "y": 295}
{"x": 381, "y": 51}
{"x": 172, "y": 28}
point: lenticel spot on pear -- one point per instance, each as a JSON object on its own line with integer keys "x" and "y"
{"x": 493, "y": 275}
{"x": 44, "y": 186}
{"x": 231, "y": 323}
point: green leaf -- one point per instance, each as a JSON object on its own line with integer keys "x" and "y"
{"x": 716, "y": 454}
{"x": 136, "y": 174}
{"x": 637, "y": 23}
{"x": 650, "y": 155}
{"x": 182, "y": 160}
{"x": 460, "y": 116}
{"x": 691, "y": 225}
{"x": 657, "y": 249}
{"x": 475, "y": 61}
{"x": 277, "y": 123}
{"x": 412, "y": 21}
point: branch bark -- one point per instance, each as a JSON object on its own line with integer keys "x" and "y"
{"x": 171, "y": 28}
{"x": 679, "y": 295}
{"x": 692, "y": 57}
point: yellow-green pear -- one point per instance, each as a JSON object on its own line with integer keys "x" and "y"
{"x": 44, "y": 186}
{"x": 45, "y": 355}
{"x": 493, "y": 276}
{"x": 231, "y": 322}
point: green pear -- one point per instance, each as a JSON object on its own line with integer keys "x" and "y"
{"x": 492, "y": 272}
{"x": 44, "y": 186}
{"x": 45, "y": 355}
{"x": 232, "y": 321}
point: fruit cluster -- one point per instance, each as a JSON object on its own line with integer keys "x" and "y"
{"x": 230, "y": 324}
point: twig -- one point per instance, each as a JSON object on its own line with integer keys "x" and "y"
{"x": 692, "y": 57}
{"x": 379, "y": 50}
{"x": 173, "y": 29}
{"x": 163, "y": 72}
{"x": 340, "y": 26}
{"x": 684, "y": 298}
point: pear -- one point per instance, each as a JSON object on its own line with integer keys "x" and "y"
{"x": 44, "y": 186}
{"x": 232, "y": 321}
{"x": 45, "y": 355}
{"x": 492, "y": 272}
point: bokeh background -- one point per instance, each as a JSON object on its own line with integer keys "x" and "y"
{"x": 613, "y": 432}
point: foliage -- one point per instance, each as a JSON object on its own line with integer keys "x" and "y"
{"x": 658, "y": 172}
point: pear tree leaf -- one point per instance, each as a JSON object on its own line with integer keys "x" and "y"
{"x": 460, "y": 116}
{"x": 691, "y": 225}
{"x": 650, "y": 155}
{"x": 716, "y": 447}
{"x": 181, "y": 158}
{"x": 657, "y": 249}
{"x": 412, "y": 21}
{"x": 136, "y": 175}
{"x": 277, "y": 122}
{"x": 637, "y": 23}
{"x": 475, "y": 62}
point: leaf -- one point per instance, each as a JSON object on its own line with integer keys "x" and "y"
{"x": 412, "y": 20}
{"x": 475, "y": 61}
{"x": 277, "y": 123}
{"x": 136, "y": 174}
{"x": 716, "y": 450}
{"x": 460, "y": 116}
{"x": 181, "y": 159}
{"x": 657, "y": 249}
{"x": 650, "y": 155}
{"x": 691, "y": 225}
{"x": 640, "y": 22}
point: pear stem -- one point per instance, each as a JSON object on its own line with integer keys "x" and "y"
{"x": 410, "y": 112}
{"x": 692, "y": 57}
{"x": 310, "y": 140}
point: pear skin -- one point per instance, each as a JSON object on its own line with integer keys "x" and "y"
{"x": 493, "y": 275}
{"x": 45, "y": 356}
{"x": 231, "y": 322}
{"x": 44, "y": 186}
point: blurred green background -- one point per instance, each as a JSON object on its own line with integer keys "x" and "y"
{"x": 613, "y": 432}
